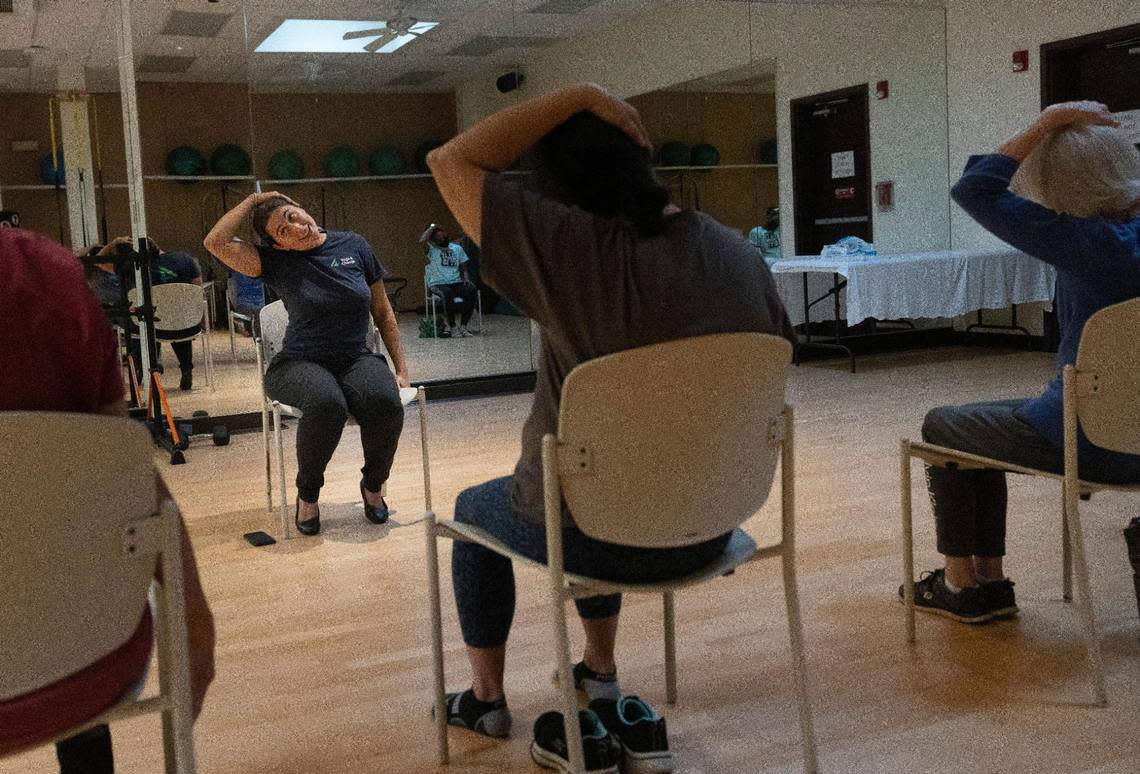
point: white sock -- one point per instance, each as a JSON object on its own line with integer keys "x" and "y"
{"x": 950, "y": 586}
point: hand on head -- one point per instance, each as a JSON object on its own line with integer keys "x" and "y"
{"x": 619, "y": 113}
{"x": 1079, "y": 113}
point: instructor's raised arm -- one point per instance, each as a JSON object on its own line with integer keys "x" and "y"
{"x": 223, "y": 242}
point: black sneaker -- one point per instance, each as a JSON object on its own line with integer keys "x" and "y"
{"x": 932, "y": 596}
{"x": 601, "y": 751}
{"x": 999, "y": 598}
{"x": 187, "y": 381}
{"x": 490, "y": 718}
{"x": 641, "y": 732}
{"x": 596, "y": 685}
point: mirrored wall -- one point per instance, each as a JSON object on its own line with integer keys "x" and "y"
{"x": 336, "y": 104}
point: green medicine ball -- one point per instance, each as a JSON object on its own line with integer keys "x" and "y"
{"x": 230, "y": 159}
{"x": 422, "y": 152}
{"x": 674, "y": 154}
{"x": 285, "y": 164}
{"x": 705, "y": 155}
{"x": 387, "y": 160}
{"x": 341, "y": 161}
{"x": 185, "y": 161}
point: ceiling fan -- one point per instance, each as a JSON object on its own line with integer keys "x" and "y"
{"x": 396, "y": 27}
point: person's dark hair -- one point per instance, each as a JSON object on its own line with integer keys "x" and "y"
{"x": 591, "y": 164}
{"x": 259, "y": 217}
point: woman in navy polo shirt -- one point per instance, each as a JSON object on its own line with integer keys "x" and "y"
{"x": 1081, "y": 179}
{"x": 331, "y": 282}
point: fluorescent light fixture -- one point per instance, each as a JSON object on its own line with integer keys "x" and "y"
{"x": 326, "y": 36}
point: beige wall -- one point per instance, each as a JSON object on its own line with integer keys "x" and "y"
{"x": 816, "y": 49}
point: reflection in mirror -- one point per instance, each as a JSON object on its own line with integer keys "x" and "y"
{"x": 62, "y": 170}
{"x": 193, "y": 112}
{"x": 715, "y": 141}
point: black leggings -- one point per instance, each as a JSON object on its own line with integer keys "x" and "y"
{"x": 86, "y": 753}
{"x": 327, "y": 393}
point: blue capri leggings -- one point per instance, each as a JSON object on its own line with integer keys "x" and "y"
{"x": 485, "y": 583}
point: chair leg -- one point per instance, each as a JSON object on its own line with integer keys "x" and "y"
{"x": 670, "y": 649}
{"x": 907, "y": 537}
{"x": 1088, "y": 621}
{"x": 566, "y": 687}
{"x": 436, "y": 638}
{"x": 434, "y": 329}
{"x": 268, "y": 458}
{"x": 286, "y": 533}
{"x": 799, "y": 661}
{"x": 233, "y": 340}
{"x": 1066, "y": 553}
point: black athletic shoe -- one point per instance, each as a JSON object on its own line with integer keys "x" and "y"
{"x": 641, "y": 732}
{"x": 187, "y": 381}
{"x": 596, "y": 685}
{"x": 932, "y": 596}
{"x": 999, "y": 598}
{"x": 490, "y": 718}
{"x": 601, "y": 751}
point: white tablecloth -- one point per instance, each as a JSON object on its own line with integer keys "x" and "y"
{"x": 915, "y": 285}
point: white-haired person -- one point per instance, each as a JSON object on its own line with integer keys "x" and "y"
{"x": 1079, "y": 211}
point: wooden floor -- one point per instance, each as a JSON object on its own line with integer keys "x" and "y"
{"x": 323, "y": 655}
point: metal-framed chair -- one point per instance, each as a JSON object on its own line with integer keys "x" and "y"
{"x": 272, "y": 322}
{"x": 180, "y": 307}
{"x": 433, "y": 297}
{"x": 661, "y": 446}
{"x": 77, "y": 570}
{"x": 233, "y": 316}
{"x": 1100, "y": 395}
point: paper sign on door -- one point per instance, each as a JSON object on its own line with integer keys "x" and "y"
{"x": 1130, "y": 124}
{"x": 842, "y": 165}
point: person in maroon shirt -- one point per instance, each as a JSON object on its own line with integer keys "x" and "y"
{"x": 60, "y": 354}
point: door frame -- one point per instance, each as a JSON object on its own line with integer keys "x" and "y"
{"x": 1081, "y": 41}
{"x": 859, "y": 93}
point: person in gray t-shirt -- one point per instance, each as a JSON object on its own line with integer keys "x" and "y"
{"x": 601, "y": 260}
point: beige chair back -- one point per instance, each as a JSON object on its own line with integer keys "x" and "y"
{"x": 1108, "y": 368}
{"x": 177, "y": 305}
{"x": 72, "y": 593}
{"x": 273, "y": 320}
{"x": 674, "y": 443}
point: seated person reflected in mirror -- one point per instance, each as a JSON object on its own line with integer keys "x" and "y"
{"x": 172, "y": 266}
{"x": 446, "y": 278}
{"x": 246, "y": 298}
{"x": 60, "y": 354}
{"x": 332, "y": 285}
{"x": 603, "y": 262}
{"x": 1079, "y": 212}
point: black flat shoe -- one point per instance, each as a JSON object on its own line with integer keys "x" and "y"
{"x": 377, "y": 515}
{"x": 308, "y": 527}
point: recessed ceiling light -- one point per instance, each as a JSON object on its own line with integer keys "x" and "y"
{"x": 326, "y": 36}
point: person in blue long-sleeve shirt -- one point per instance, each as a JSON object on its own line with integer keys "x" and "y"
{"x": 1081, "y": 177}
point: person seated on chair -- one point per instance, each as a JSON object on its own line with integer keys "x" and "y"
{"x": 1081, "y": 214}
{"x": 331, "y": 283}
{"x": 173, "y": 266}
{"x": 101, "y": 277}
{"x": 62, "y": 355}
{"x": 446, "y": 277}
{"x": 603, "y": 262}
{"x": 248, "y": 299}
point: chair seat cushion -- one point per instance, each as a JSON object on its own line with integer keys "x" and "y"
{"x": 740, "y": 549}
{"x": 37, "y": 717}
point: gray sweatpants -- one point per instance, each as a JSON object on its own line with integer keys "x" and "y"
{"x": 970, "y": 505}
{"x": 326, "y": 394}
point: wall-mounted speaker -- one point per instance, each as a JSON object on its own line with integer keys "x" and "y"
{"x": 509, "y": 81}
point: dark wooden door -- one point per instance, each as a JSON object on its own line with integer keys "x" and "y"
{"x": 831, "y": 168}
